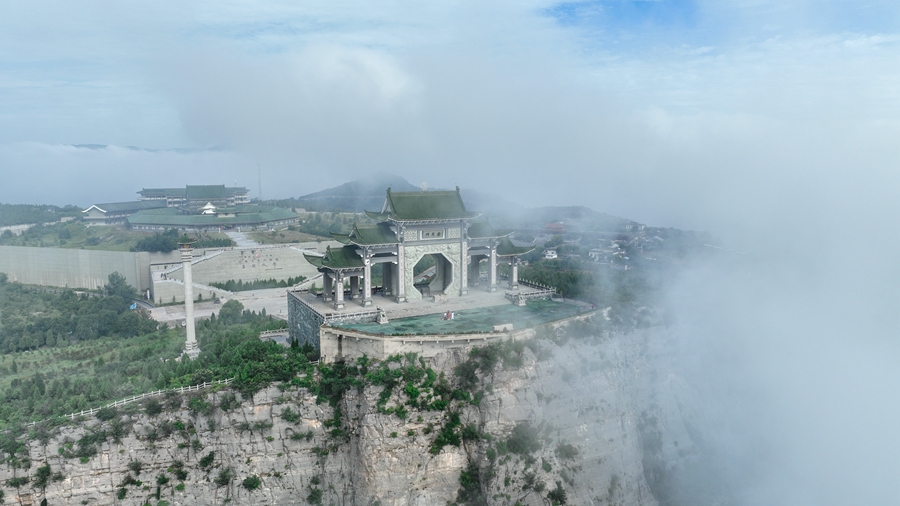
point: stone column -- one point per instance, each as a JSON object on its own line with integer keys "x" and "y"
{"x": 339, "y": 291}
{"x": 514, "y": 273}
{"x": 401, "y": 275}
{"x": 191, "y": 349}
{"x": 367, "y": 283}
{"x": 493, "y": 274}
{"x": 354, "y": 287}
{"x": 474, "y": 269}
{"x": 326, "y": 286}
{"x": 463, "y": 258}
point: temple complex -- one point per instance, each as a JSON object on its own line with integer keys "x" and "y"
{"x": 412, "y": 225}
{"x": 461, "y": 277}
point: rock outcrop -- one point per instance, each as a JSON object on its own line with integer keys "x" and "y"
{"x": 608, "y": 422}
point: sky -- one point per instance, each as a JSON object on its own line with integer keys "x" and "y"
{"x": 773, "y": 125}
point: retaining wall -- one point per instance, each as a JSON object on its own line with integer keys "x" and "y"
{"x": 74, "y": 268}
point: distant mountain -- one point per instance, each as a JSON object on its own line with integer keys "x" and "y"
{"x": 365, "y": 194}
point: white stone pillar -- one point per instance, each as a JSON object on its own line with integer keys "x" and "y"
{"x": 514, "y": 273}
{"x": 191, "y": 349}
{"x": 367, "y": 283}
{"x": 463, "y": 259}
{"x": 493, "y": 274}
{"x": 401, "y": 275}
{"x": 339, "y": 291}
{"x": 326, "y": 287}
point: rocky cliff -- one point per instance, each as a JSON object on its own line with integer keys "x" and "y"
{"x": 574, "y": 418}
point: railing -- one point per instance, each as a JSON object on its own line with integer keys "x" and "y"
{"x": 299, "y": 286}
{"x": 269, "y": 333}
{"x": 135, "y": 398}
{"x": 538, "y": 286}
{"x": 370, "y": 314}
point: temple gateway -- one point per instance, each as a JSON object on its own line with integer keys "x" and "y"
{"x": 412, "y": 225}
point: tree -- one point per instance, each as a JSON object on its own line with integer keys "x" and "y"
{"x": 231, "y": 312}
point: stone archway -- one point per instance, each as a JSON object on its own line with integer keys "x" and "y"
{"x": 433, "y": 274}
{"x": 446, "y": 279}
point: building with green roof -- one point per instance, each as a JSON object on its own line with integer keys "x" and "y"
{"x": 411, "y": 226}
{"x": 195, "y": 196}
{"x": 212, "y": 218}
{"x": 117, "y": 212}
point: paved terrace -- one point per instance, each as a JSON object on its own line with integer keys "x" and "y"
{"x": 476, "y": 298}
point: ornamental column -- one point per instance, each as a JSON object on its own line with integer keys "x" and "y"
{"x": 514, "y": 273}
{"x": 339, "y": 291}
{"x": 191, "y": 348}
{"x": 326, "y": 287}
{"x": 401, "y": 271}
{"x": 493, "y": 275}
{"x": 367, "y": 280}
{"x": 463, "y": 258}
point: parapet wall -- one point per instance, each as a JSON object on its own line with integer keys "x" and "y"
{"x": 343, "y": 344}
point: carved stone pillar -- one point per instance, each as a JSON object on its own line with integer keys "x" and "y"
{"x": 514, "y": 273}
{"x": 191, "y": 349}
{"x": 401, "y": 276}
{"x": 339, "y": 291}
{"x": 367, "y": 283}
{"x": 493, "y": 274}
{"x": 354, "y": 287}
{"x": 326, "y": 287}
{"x": 463, "y": 258}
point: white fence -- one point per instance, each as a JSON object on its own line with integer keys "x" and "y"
{"x": 135, "y": 398}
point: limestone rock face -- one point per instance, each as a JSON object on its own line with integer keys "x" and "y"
{"x": 605, "y": 397}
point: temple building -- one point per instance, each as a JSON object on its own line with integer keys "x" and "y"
{"x": 411, "y": 226}
{"x": 196, "y": 196}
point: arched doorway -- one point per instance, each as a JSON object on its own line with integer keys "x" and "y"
{"x": 432, "y": 274}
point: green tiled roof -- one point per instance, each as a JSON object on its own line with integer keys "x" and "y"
{"x": 162, "y": 192}
{"x": 339, "y": 258}
{"x": 368, "y": 235}
{"x": 124, "y": 207}
{"x": 425, "y": 205}
{"x": 244, "y": 215}
{"x": 507, "y": 248}
{"x": 483, "y": 230}
{"x": 210, "y": 191}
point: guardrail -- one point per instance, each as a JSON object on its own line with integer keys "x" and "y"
{"x": 370, "y": 314}
{"x": 135, "y": 398}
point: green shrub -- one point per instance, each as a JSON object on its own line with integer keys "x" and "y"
{"x": 566, "y": 451}
{"x": 107, "y": 413}
{"x": 524, "y": 439}
{"x": 17, "y": 482}
{"x": 557, "y": 496}
{"x": 224, "y": 477}
{"x": 251, "y": 482}
{"x": 207, "y": 461}
{"x": 314, "y": 497}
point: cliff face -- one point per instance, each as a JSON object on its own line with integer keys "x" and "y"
{"x": 606, "y": 424}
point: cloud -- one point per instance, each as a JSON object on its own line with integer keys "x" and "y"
{"x": 771, "y": 124}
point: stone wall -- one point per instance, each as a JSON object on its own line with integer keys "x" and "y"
{"x": 338, "y": 343}
{"x": 74, "y": 268}
{"x": 250, "y": 264}
{"x": 303, "y": 322}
